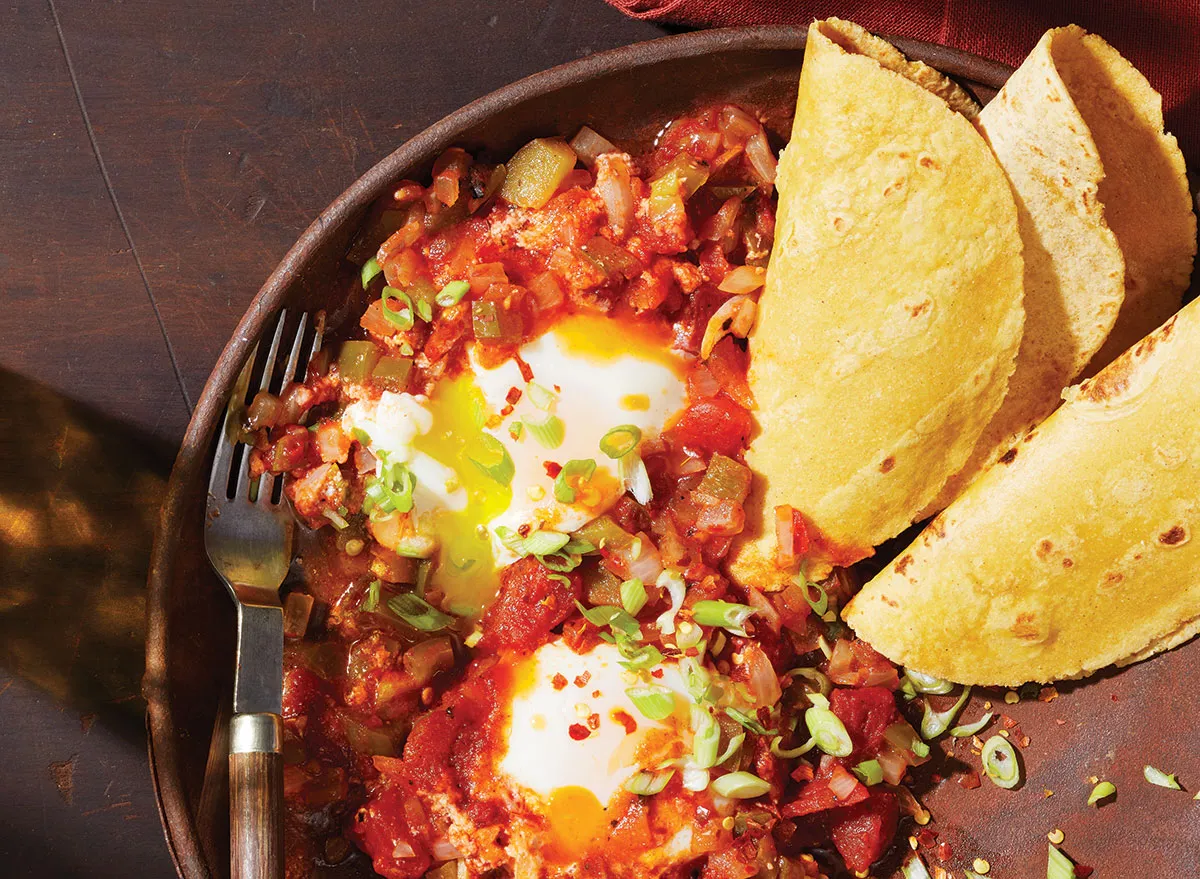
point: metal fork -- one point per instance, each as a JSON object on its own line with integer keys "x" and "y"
{"x": 249, "y": 543}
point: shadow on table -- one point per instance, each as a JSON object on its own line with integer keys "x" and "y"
{"x": 79, "y": 498}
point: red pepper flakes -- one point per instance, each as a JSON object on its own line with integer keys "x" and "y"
{"x": 1008, "y": 722}
{"x": 595, "y": 694}
{"x": 513, "y": 396}
{"x": 927, "y": 837}
{"x": 944, "y": 852}
{"x": 1048, "y": 694}
{"x": 582, "y": 680}
{"x": 552, "y": 469}
{"x": 593, "y": 721}
{"x": 656, "y": 673}
{"x": 1020, "y": 738}
{"x": 559, "y": 682}
{"x": 623, "y": 718}
{"x": 969, "y": 780}
{"x": 578, "y": 732}
{"x": 803, "y": 772}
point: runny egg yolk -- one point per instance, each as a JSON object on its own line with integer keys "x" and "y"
{"x": 497, "y": 474}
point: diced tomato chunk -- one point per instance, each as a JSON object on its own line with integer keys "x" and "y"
{"x": 867, "y": 712}
{"x": 857, "y": 664}
{"x": 531, "y": 602}
{"x": 713, "y": 425}
{"x": 864, "y": 831}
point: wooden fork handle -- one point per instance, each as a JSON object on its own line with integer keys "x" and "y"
{"x": 256, "y": 796}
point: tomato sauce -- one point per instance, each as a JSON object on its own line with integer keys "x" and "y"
{"x": 393, "y": 702}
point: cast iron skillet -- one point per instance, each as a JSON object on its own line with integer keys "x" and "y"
{"x": 625, "y": 94}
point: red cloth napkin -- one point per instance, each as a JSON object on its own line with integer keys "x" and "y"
{"x": 1160, "y": 37}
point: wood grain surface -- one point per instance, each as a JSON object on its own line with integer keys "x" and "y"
{"x": 156, "y": 161}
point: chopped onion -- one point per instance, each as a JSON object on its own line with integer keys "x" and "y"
{"x": 702, "y": 383}
{"x": 892, "y": 763}
{"x": 695, "y": 778}
{"x": 842, "y": 783}
{"x": 762, "y": 160}
{"x": 914, "y": 868}
{"x": 737, "y": 125}
{"x": 588, "y": 144}
{"x": 647, "y": 564}
{"x": 735, "y": 317}
{"x": 614, "y": 188}
{"x": 632, "y": 470}
{"x": 297, "y": 608}
{"x": 766, "y": 611}
{"x": 403, "y": 850}
{"x": 444, "y": 850}
{"x": 761, "y": 679}
{"x": 743, "y": 279}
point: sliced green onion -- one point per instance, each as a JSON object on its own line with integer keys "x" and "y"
{"x": 636, "y": 656}
{"x": 934, "y": 723}
{"x": 370, "y": 269}
{"x": 914, "y": 868}
{"x": 706, "y": 738}
{"x": 689, "y": 635}
{"x": 540, "y": 396}
{"x": 564, "y": 490}
{"x": 561, "y": 578}
{"x": 370, "y": 602}
{"x": 654, "y": 700}
{"x": 698, "y": 681}
{"x": 516, "y": 430}
{"x": 499, "y": 464}
{"x": 424, "y": 310}
{"x": 647, "y": 784}
{"x": 970, "y": 729}
{"x": 538, "y": 543}
{"x": 869, "y": 772}
{"x": 549, "y": 432}
{"x": 791, "y": 753}
{"x": 418, "y": 612}
{"x": 695, "y": 778}
{"x": 735, "y": 745}
{"x": 750, "y": 722}
{"x": 827, "y": 728}
{"x": 923, "y": 683}
{"x": 561, "y": 562}
{"x": 673, "y": 583}
{"x": 401, "y": 318}
{"x": 1000, "y": 762}
{"x": 391, "y": 490}
{"x": 724, "y": 614}
{"x": 821, "y": 604}
{"x": 620, "y": 441}
{"x": 607, "y": 615}
{"x": 633, "y": 596}
{"x": 631, "y": 470}
{"x": 740, "y": 786}
{"x": 819, "y": 679}
{"x": 1058, "y": 865}
{"x": 452, "y": 293}
{"x": 1101, "y": 791}
{"x": 1160, "y": 778}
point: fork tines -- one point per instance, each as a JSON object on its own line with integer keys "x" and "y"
{"x": 264, "y": 371}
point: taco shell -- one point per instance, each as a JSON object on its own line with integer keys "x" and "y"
{"x": 896, "y": 229}
{"x": 1078, "y": 550}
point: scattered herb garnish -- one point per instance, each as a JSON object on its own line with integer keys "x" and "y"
{"x": 827, "y": 728}
{"x": 740, "y": 786}
{"x": 620, "y": 441}
{"x": 418, "y": 612}
{"x": 934, "y": 723}
{"x": 573, "y": 472}
{"x": 1101, "y": 791}
{"x": 1160, "y": 778}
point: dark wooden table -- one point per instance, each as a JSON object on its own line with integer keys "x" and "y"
{"x": 156, "y": 161}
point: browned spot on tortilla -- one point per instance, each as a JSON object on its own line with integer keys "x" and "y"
{"x": 918, "y": 309}
{"x": 928, "y": 162}
{"x": 1009, "y": 456}
{"x": 1114, "y": 379}
{"x": 902, "y": 563}
{"x": 938, "y": 526}
{"x": 888, "y": 601}
{"x": 1044, "y": 549}
{"x": 1067, "y": 563}
{"x": 888, "y": 463}
{"x": 839, "y": 224}
{"x": 1173, "y": 536}
{"x": 1112, "y": 578}
{"x": 1029, "y": 436}
{"x": 1026, "y": 627}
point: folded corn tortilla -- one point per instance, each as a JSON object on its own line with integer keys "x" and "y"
{"x": 891, "y": 314}
{"x": 1069, "y": 180}
{"x": 1075, "y": 551}
{"x": 1145, "y": 190}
